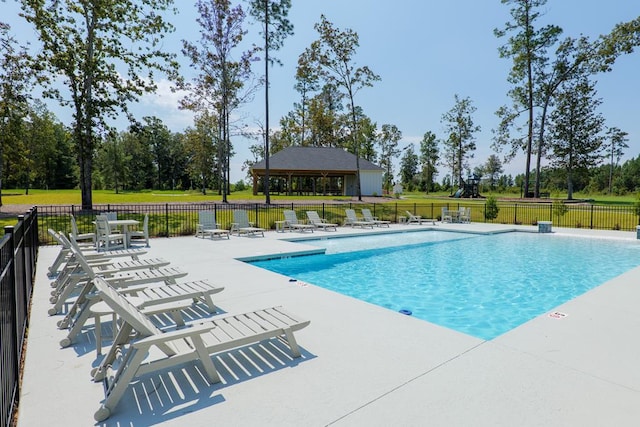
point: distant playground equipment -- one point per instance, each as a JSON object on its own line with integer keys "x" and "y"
{"x": 469, "y": 189}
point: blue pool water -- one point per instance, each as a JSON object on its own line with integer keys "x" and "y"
{"x": 481, "y": 285}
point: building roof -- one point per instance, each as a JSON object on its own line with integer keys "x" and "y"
{"x": 315, "y": 159}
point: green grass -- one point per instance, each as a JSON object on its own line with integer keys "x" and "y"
{"x": 72, "y": 197}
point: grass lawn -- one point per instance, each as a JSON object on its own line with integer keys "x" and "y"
{"x": 72, "y": 197}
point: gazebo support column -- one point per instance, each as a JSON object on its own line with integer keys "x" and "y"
{"x": 255, "y": 184}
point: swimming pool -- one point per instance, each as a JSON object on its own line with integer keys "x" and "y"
{"x": 481, "y": 285}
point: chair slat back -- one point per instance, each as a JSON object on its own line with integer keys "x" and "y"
{"x": 207, "y": 219}
{"x": 124, "y": 309}
{"x": 241, "y": 218}
{"x": 351, "y": 214}
{"x": 290, "y": 216}
{"x": 314, "y": 217}
{"x": 366, "y": 213}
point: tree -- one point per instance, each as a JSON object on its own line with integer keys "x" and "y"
{"x": 527, "y": 48}
{"x": 108, "y": 53}
{"x": 306, "y": 83}
{"x": 276, "y": 27}
{"x": 112, "y": 162}
{"x": 388, "y": 142}
{"x": 461, "y": 143}
{"x": 334, "y": 56}
{"x": 492, "y": 169}
{"x": 429, "y": 155}
{"x": 491, "y": 208}
{"x": 408, "y": 167}
{"x": 138, "y": 158}
{"x": 615, "y": 143}
{"x": 16, "y": 82}
{"x": 576, "y": 129}
{"x": 324, "y": 117}
{"x": 50, "y": 150}
{"x": 217, "y": 87}
{"x": 369, "y": 135}
{"x": 572, "y": 57}
{"x": 201, "y": 149}
{"x": 155, "y": 135}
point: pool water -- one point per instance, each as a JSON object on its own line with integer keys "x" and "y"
{"x": 481, "y": 285}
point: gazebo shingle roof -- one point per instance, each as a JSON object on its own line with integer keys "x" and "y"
{"x": 320, "y": 159}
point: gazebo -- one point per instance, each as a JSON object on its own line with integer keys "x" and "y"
{"x": 317, "y": 170}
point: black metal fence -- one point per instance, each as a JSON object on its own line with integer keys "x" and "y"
{"x": 177, "y": 219}
{"x": 18, "y": 254}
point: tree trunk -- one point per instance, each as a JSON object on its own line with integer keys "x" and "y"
{"x": 85, "y": 182}
{"x": 267, "y": 196}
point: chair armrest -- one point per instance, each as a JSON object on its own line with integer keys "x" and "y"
{"x": 174, "y": 335}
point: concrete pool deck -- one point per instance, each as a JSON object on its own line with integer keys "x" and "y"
{"x": 361, "y": 364}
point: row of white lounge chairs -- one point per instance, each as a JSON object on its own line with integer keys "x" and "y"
{"x": 108, "y": 237}
{"x": 208, "y": 226}
{"x": 151, "y": 310}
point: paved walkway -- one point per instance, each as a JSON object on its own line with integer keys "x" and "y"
{"x": 362, "y": 364}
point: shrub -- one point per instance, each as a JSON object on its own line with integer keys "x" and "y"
{"x": 559, "y": 208}
{"x": 239, "y": 186}
{"x": 636, "y": 205}
{"x": 491, "y": 208}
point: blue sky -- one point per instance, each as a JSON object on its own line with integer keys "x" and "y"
{"x": 425, "y": 52}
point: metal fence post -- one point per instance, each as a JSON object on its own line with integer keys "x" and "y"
{"x": 166, "y": 218}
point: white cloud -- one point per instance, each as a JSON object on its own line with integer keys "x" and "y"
{"x": 164, "y": 105}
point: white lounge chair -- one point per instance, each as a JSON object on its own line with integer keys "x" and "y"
{"x": 116, "y": 274}
{"x": 366, "y": 214}
{"x": 318, "y": 222}
{"x": 207, "y": 225}
{"x": 81, "y": 237}
{"x": 353, "y": 221}
{"x": 417, "y": 219}
{"x": 89, "y": 252}
{"x": 163, "y": 299}
{"x": 291, "y": 222}
{"x": 242, "y": 226}
{"x": 137, "y": 285}
{"x": 196, "y": 343}
{"x": 141, "y": 234}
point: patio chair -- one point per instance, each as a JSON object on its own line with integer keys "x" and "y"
{"x": 318, "y": 222}
{"x": 207, "y": 225}
{"x": 194, "y": 344}
{"x": 141, "y": 234}
{"x": 106, "y": 238}
{"x": 446, "y": 215}
{"x": 417, "y": 219}
{"x": 465, "y": 215}
{"x": 81, "y": 237}
{"x": 366, "y": 214}
{"x": 242, "y": 226}
{"x": 292, "y": 223}
{"x": 353, "y": 221}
